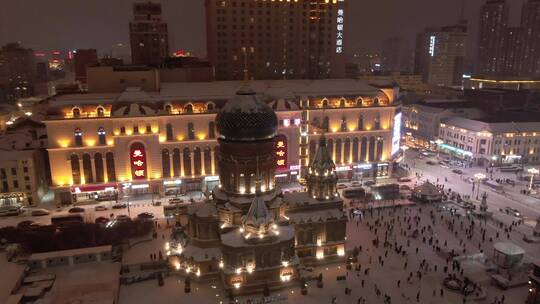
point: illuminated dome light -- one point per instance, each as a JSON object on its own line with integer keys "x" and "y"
{"x": 238, "y": 270}
{"x": 198, "y": 273}
{"x": 285, "y": 263}
{"x": 221, "y": 264}
{"x": 250, "y": 268}
{"x": 237, "y": 285}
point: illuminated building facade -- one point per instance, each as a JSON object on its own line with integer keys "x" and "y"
{"x": 292, "y": 39}
{"x": 493, "y": 27}
{"x": 496, "y": 143}
{"x": 255, "y": 240}
{"x": 92, "y": 138}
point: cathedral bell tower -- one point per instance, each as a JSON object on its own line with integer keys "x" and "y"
{"x": 322, "y": 177}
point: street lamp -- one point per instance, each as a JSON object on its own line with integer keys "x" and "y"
{"x": 532, "y": 171}
{"x": 479, "y": 177}
{"x": 404, "y": 149}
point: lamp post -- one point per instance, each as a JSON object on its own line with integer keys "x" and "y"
{"x": 438, "y": 142}
{"x": 404, "y": 149}
{"x": 532, "y": 171}
{"x": 479, "y": 177}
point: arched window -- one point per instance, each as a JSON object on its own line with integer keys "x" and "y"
{"x": 330, "y": 146}
{"x": 359, "y": 101}
{"x": 208, "y": 161}
{"x": 360, "y": 123}
{"x": 187, "y": 162}
{"x": 75, "y": 169}
{"x": 98, "y": 163}
{"x": 347, "y": 151}
{"x": 165, "y": 163}
{"x": 188, "y": 108}
{"x": 325, "y": 103}
{"x": 372, "y": 149}
{"x": 197, "y": 161}
{"x": 342, "y": 102}
{"x": 76, "y": 112}
{"x": 326, "y": 123}
{"x": 312, "y": 148}
{"x": 102, "y": 136}
{"x": 337, "y": 157}
{"x": 111, "y": 171}
{"x": 380, "y": 147}
{"x": 355, "y": 150}
{"x": 168, "y": 109}
{"x": 78, "y": 137}
{"x": 190, "y": 131}
{"x": 377, "y": 123}
{"x": 210, "y": 106}
{"x": 344, "y": 124}
{"x": 376, "y": 101}
{"x": 176, "y": 163}
{"x": 169, "y": 130}
{"x": 87, "y": 168}
{"x": 100, "y": 111}
{"x": 363, "y": 150}
{"x": 211, "y": 129}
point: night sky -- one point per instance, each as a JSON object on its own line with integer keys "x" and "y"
{"x": 70, "y": 24}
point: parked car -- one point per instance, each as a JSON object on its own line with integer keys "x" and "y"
{"x": 100, "y": 208}
{"x": 156, "y": 203}
{"x": 39, "y": 212}
{"x": 119, "y": 206}
{"x": 123, "y": 217}
{"x": 369, "y": 183}
{"x": 512, "y": 211}
{"x": 404, "y": 179}
{"x": 102, "y": 220}
{"x": 25, "y": 224}
{"x": 510, "y": 182}
{"x": 175, "y": 200}
{"x": 404, "y": 187}
{"x": 76, "y": 210}
{"x": 457, "y": 171}
{"x": 355, "y": 183}
{"x": 171, "y": 191}
{"x": 431, "y": 163}
{"x": 145, "y": 215}
{"x": 342, "y": 186}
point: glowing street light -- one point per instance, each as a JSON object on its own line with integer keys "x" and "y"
{"x": 532, "y": 171}
{"x": 479, "y": 177}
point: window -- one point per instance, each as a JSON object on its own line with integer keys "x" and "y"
{"x": 111, "y": 173}
{"x": 25, "y": 169}
{"x": 360, "y": 123}
{"x": 343, "y": 124}
{"x": 75, "y": 169}
{"x": 191, "y": 131}
{"x": 76, "y": 112}
{"x": 168, "y": 109}
{"x": 78, "y": 137}
{"x": 165, "y": 163}
{"x": 13, "y": 171}
{"x": 210, "y": 106}
{"x": 377, "y": 123}
{"x": 3, "y": 173}
{"x": 148, "y": 128}
{"x": 100, "y": 112}
{"x": 169, "y": 130}
{"x": 188, "y": 108}
{"x": 136, "y": 129}
{"x": 123, "y": 130}
{"x": 102, "y": 136}
{"x": 15, "y": 184}
{"x": 482, "y": 142}
{"x": 211, "y": 130}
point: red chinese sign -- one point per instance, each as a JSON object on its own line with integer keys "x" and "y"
{"x": 138, "y": 161}
{"x": 281, "y": 152}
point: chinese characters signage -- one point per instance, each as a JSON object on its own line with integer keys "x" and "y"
{"x": 432, "y": 41}
{"x": 281, "y": 152}
{"x": 138, "y": 161}
{"x": 339, "y": 32}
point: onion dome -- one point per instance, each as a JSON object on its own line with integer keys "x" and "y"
{"x": 246, "y": 118}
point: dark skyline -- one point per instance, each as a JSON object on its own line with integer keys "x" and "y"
{"x": 68, "y": 24}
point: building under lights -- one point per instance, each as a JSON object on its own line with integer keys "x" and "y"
{"x": 288, "y": 39}
{"x": 149, "y": 142}
{"x": 247, "y": 232}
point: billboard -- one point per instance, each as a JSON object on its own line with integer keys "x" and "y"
{"x": 396, "y": 133}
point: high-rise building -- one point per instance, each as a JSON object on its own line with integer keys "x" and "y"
{"x": 82, "y": 59}
{"x": 276, "y": 39}
{"x": 530, "y": 50}
{"x": 17, "y": 72}
{"x": 148, "y": 34}
{"x": 440, "y": 54}
{"x": 396, "y": 55}
{"x": 492, "y": 32}
{"x": 511, "y": 47}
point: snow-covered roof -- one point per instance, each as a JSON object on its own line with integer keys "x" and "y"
{"x": 315, "y": 216}
{"x": 235, "y": 238}
{"x": 11, "y": 274}
{"x": 199, "y": 254}
{"x": 508, "y": 248}
{"x": 258, "y": 214}
{"x": 205, "y": 209}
